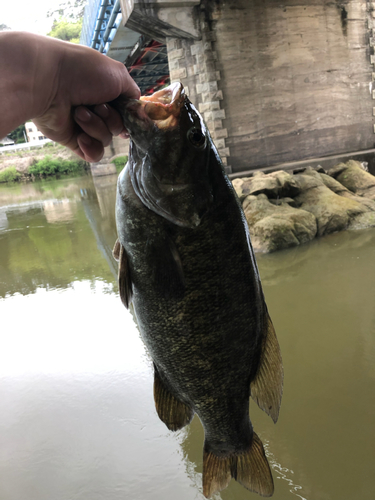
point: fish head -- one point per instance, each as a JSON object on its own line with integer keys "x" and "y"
{"x": 169, "y": 155}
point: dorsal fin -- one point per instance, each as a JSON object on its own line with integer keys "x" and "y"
{"x": 124, "y": 280}
{"x": 267, "y": 386}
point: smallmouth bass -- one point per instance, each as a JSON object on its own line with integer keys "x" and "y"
{"x": 186, "y": 264}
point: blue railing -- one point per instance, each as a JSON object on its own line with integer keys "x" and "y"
{"x": 89, "y": 22}
{"x": 100, "y": 23}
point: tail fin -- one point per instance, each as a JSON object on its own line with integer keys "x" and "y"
{"x": 250, "y": 468}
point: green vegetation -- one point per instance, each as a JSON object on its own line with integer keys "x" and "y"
{"x": 67, "y": 20}
{"x": 56, "y": 166}
{"x": 51, "y": 160}
{"x": 66, "y": 30}
{"x": 120, "y": 162}
{"x": 9, "y": 174}
{"x": 18, "y": 134}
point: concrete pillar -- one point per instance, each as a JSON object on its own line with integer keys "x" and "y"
{"x": 193, "y": 63}
{"x": 118, "y": 147}
{"x": 186, "y": 26}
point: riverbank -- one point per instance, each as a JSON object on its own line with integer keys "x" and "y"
{"x": 51, "y": 159}
{"x": 36, "y": 163}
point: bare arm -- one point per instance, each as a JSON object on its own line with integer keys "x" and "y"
{"x": 51, "y": 82}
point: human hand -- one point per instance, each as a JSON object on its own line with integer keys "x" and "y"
{"x": 63, "y": 88}
{"x": 85, "y": 77}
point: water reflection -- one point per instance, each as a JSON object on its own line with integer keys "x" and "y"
{"x": 59, "y": 210}
{"x": 78, "y": 418}
{"x": 50, "y": 242}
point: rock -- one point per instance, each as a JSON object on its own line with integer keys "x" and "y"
{"x": 341, "y": 190}
{"x": 333, "y": 212}
{"x": 278, "y": 184}
{"x": 354, "y": 177}
{"x": 241, "y": 188}
{"x": 276, "y": 227}
{"x": 284, "y": 210}
{"x": 318, "y": 168}
{"x": 282, "y": 201}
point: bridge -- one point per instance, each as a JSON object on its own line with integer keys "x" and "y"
{"x": 276, "y": 83}
{"x": 145, "y": 58}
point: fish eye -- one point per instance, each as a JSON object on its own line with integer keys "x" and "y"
{"x": 196, "y": 137}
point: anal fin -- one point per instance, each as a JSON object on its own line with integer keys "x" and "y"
{"x": 267, "y": 386}
{"x": 173, "y": 412}
{"x": 250, "y": 468}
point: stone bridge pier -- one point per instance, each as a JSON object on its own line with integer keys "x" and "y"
{"x": 277, "y": 83}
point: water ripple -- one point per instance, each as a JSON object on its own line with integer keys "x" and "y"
{"x": 282, "y": 472}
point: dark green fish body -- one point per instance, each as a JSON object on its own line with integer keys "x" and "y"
{"x": 191, "y": 275}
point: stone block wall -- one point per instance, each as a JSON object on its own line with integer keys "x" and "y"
{"x": 193, "y": 63}
{"x": 295, "y": 77}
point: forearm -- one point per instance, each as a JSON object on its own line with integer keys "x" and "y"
{"x": 28, "y": 77}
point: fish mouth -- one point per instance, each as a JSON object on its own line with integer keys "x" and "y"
{"x": 161, "y": 109}
{"x": 164, "y": 107}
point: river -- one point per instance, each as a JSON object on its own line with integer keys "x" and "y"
{"x": 77, "y": 419}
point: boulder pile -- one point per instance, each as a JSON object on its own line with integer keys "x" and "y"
{"x": 285, "y": 209}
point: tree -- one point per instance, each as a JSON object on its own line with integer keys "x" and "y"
{"x": 18, "y": 134}
{"x": 71, "y": 9}
{"x": 4, "y": 27}
{"x": 66, "y": 30}
{"x": 67, "y": 23}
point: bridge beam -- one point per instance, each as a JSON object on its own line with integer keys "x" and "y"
{"x": 162, "y": 18}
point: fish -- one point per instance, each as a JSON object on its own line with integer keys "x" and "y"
{"x": 188, "y": 271}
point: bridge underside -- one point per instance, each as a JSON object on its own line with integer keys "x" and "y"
{"x": 145, "y": 58}
{"x": 275, "y": 82}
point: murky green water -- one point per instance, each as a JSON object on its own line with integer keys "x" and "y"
{"x": 77, "y": 419}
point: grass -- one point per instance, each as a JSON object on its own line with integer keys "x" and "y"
{"x": 120, "y": 162}
{"x": 9, "y": 174}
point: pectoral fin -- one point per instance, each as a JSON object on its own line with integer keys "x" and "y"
{"x": 116, "y": 250}
{"x": 267, "y": 387}
{"x": 173, "y": 412}
{"x": 124, "y": 280}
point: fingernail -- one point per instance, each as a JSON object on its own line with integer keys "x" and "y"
{"x": 124, "y": 135}
{"x": 82, "y": 114}
{"x": 102, "y": 111}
